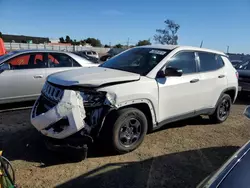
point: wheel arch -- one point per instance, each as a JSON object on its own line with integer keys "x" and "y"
{"x": 231, "y": 91}
{"x": 146, "y": 106}
{"x": 143, "y": 105}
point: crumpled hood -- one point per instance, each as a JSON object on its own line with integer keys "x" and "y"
{"x": 91, "y": 77}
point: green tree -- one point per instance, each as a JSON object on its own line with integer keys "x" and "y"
{"x": 169, "y": 34}
{"x": 106, "y": 46}
{"x": 93, "y": 42}
{"x": 143, "y": 42}
{"x": 82, "y": 42}
{"x": 67, "y": 39}
{"x": 1, "y": 35}
{"x": 61, "y": 39}
{"x": 118, "y": 46}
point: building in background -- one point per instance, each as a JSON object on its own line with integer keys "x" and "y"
{"x": 54, "y": 41}
{"x": 25, "y": 39}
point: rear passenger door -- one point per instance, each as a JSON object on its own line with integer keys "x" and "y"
{"x": 60, "y": 62}
{"x": 212, "y": 77}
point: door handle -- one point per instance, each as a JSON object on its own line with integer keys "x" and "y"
{"x": 38, "y": 76}
{"x": 194, "y": 80}
{"x": 221, "y": 76}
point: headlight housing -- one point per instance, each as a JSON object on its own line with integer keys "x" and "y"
{"x": 93, "y": 98}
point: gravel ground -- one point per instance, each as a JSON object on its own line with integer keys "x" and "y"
{"x": 179, "y": 155}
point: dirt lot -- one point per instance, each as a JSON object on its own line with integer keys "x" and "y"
{"x": 179, "y": 155}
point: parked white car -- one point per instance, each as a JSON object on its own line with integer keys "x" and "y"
{"x": 91, "y": 53}
{"x": 136, "y": 91}
{"x": 24, "y": 72}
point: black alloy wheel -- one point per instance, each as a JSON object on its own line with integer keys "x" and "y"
{"x": 129, "y": 129}
{"x": 130, "y": 132}
{"x": 222, "y": 110}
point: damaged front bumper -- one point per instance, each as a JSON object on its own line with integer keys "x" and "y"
{"x": 62, "y": 116}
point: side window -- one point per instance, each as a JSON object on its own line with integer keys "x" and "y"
{"x": 239, "y": 175}
{"x": 28, "y": 61}
{"x": 184, "y": 61}
{"x": 39, "y": 60}
{"x": 60, "y": 60}
{"x": 210, "y": 61}
{"x": 20, "y": 62}
{"x": 89, "y": 53}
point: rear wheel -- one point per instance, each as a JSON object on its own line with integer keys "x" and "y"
{"x": 129, "y": 130}
{"x": 222, "y": 110}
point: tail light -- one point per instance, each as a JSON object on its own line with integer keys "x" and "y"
{"x": 237, "y": 75}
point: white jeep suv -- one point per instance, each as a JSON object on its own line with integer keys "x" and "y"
{"x": 136, "y": 91}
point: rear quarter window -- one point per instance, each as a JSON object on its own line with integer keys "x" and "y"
{"x": 210, "y": 61}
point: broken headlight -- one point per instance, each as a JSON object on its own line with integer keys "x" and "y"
{"x": 92, "y": 99}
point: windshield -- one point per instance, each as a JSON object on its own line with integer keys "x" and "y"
{"x": 2, "y": 58}
{"x": 244, "y": 66}
{"x": 137, "y": 60}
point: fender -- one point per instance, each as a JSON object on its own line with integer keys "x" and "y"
{"x": 110, "y": 109}
{"x": 223, "y": 92}
{"x": 138, "y": 101}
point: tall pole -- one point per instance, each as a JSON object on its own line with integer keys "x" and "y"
{"x": 227, "y": 49}
{"x": 128, "y": 43}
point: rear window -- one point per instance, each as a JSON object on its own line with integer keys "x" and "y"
{"x": 210, "y": 61}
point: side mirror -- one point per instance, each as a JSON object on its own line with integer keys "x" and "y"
{"x": 4, "y": 66}
{"x": 247, "y": 112}
{"x": 169, "y": 71}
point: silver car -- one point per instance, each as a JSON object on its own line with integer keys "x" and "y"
{"x": 23, "y": 73}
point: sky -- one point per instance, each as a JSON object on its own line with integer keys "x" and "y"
{"x": 219, "y": 23}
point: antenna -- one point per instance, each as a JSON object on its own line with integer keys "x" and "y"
{"x": 201, "y": 44}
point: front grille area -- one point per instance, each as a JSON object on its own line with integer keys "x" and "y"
{"x": 44, "y": 104}
{"x": 52, "y": 92}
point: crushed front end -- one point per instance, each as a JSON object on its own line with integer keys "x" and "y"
{"x": 69, "y": 117}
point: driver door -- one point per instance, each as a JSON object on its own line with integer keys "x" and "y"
{"x": 179, "y": 96}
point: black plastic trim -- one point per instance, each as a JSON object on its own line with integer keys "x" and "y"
{"x": 207, "y": 111}
{"x": 225, "y": 90}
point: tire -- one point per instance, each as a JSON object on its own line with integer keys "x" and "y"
{"x": 129, "y": 130}
{"x": 222, "y": 110}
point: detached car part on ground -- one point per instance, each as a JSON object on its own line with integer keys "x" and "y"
{"x": 235, "y": 172}
{"x": 135, "y": 92}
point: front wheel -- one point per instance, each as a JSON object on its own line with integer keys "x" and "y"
{"x": 222, "y": 110}
{"x": 129, "y": 130}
